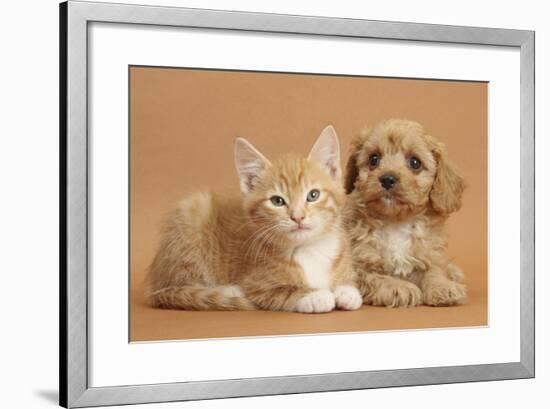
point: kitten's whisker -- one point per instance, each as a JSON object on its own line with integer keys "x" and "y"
{"x": 256, "y": 233}
{"x": 255, "y": 238}
{"x": 269, "y": 244}
{"x": 261, "y": 239}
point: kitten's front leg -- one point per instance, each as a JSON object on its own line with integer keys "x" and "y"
{"x": 316, "y": 301}
{"x": 289, "y": 297}
{"x": 347, "y": 297}
{"x": 346, "y": 293}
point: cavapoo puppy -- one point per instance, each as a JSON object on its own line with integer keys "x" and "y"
{"x": 401, "y": 189}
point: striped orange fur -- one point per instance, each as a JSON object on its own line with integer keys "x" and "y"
{"x": 279, "y": 245}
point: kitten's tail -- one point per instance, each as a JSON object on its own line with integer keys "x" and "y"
{"x": 197, "y": 298}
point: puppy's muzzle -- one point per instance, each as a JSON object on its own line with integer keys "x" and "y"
{"x": 388, "y": 180}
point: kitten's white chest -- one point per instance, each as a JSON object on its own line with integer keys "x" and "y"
{"x": 316, "y": 260}
{"x": 396, "y": 241}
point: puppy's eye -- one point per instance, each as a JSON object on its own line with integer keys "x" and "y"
{"x": 313, "y": 195}
{"x": 277, "y": 201}
{"x": 415, "y": 163}
{"x": 374, "y": 160}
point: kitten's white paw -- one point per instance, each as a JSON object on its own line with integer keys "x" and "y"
{"x": 316, "y": 301}
{"x": 232, "y": 291}
{"x": 348, "y": 297}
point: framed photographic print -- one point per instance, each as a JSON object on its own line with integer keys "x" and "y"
{"x": 257, "y": 204}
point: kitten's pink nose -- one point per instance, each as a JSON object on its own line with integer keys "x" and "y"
{"x": 298, "y": 218}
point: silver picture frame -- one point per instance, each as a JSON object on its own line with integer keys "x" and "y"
{"x": 75, "y": 390}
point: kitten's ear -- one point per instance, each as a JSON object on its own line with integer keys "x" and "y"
{"x": 326, "y": 151}
{"x": 249, "y": 163}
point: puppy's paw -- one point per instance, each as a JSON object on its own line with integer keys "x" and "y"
{"x": 395, "y": 293}
{"x": 444, "y": 293}
{"x": 347, "y": 297}
{"x": 316, "y": 301}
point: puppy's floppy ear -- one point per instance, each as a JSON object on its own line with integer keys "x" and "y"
{"x": 448, "y": 185}
{"x": 352, "y": 171}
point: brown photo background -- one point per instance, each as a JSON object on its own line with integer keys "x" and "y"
{"x": 183, "y": 123}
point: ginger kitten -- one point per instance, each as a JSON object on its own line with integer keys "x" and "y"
{"x": 278, "y": 246}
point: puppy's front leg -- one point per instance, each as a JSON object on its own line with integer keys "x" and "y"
{"x": 438, "y": 289}
{"x": 379, "y": 289}
{"x": 455, "y": 273}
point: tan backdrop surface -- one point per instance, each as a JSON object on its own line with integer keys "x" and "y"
{"x": 183, "y": 125}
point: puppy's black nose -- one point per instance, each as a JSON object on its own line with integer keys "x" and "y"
{"x": 388, "y": 180}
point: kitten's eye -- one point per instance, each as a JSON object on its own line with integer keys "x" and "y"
{"x": 374, "y": 160}
{"x": 415, "y": 163}
{"x": 313, "y": 195}
{"x": 277, "y": 201}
